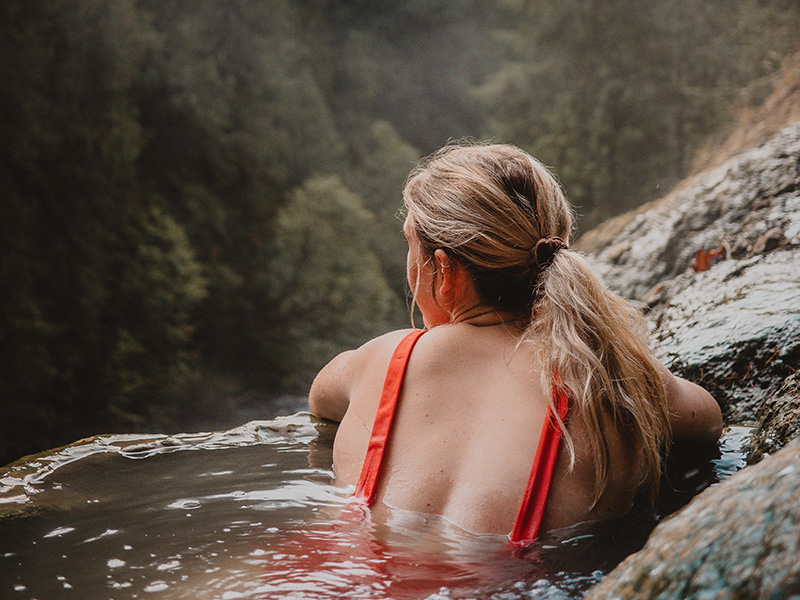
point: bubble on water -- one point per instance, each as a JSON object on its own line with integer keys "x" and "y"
{"x": 168, "y": 566}
{"x": 59, "y": 531}
{"x": 119, "y": 586}
{"x": 157, "y": 586}
{"x": 185, "y": 503}
{"x": 106, "y": 533}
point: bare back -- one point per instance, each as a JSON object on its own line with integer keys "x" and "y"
{"x": 487, "y": 228}
{"x": 465, "y": 434}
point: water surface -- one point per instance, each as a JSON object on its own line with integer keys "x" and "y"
{"x": 253, "y": 513}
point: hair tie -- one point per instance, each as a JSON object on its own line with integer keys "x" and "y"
{"x": 544, "y": 250}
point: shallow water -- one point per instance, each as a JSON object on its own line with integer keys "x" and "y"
{"x": 253, "y": 513}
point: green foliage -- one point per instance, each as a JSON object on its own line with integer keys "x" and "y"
{"x": 412, "y": 63}
{"x": 379, "y": 178}
{"x": 236, "y": 120}
{"x": 207, "y": 191}
{"x": 75, "y": 224}
{"x": 159, "y": 287}
{"x": 329, "y": 292}
{"x": 618, "y": 105}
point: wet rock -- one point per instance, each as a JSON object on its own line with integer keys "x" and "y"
{"x": 735, "y": 329}
{"x": 732, "y": 206}
{"x": 778, "y": 421}
{"x": 718, "y": 265}
{"x": 739, "y": 540}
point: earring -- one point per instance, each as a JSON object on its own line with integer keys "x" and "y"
{"x": 446, "y": 268}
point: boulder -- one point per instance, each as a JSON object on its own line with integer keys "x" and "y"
{"x": 738, "y": 540}
{"x": 717, "y": 264}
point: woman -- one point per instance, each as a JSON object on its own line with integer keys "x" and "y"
{"x": 527, "y": 359}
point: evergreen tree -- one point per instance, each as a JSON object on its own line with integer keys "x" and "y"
{"x": 329, "y": 292}
{"x": 75, "y": 228}
{"x": 379, "y": 178}
{"x": 236, "y": 120}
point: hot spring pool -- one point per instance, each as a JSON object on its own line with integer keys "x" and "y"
{"x": 253, "y": 513}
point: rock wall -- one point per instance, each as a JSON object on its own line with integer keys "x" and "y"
{"x": 717, "y": 264}
{"x": 733, "y": 206}
{"x": 778, "y": 420}
{"x": 735, "y": 329}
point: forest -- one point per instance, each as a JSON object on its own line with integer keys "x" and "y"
{"x": 199, "y": 200}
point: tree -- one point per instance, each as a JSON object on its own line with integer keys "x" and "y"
{"x": 379, "y": 178}
{"x": 75, "y": 224}
{"x": 412, "y": 63}
{"x": 160, "y": 284}
{"x": 329, "y": 292}
{"x": 236, "y": 120}
{"x": 618, "y": 105}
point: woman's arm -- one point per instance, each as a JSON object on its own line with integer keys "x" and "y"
{"x": 694, "y": 414}
{"x": 335, "y": 385}
{"x": 329, "y": 396}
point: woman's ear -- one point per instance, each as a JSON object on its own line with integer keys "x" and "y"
{"x": 447, "y": 273}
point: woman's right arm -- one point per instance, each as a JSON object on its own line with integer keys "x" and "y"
{"x": 694, "y": 414}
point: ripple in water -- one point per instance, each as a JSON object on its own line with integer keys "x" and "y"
{"x": 252, "y": 513}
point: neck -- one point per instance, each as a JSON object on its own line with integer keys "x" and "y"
{"x": 483, "y": 316}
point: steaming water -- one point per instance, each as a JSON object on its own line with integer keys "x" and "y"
{"x": 253, "y": 513}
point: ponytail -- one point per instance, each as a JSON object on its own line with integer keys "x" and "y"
{"x": 596, "y": 342}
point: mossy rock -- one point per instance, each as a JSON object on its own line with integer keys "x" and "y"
{"x": 738, "y": 540}
{"x": 778, "y": 421}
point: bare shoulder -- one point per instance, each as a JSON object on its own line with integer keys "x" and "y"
{"x": 331, "y": 391}
{"x": 694, "y": 414}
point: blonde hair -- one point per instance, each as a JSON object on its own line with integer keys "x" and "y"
{"x": 488, "y": 206}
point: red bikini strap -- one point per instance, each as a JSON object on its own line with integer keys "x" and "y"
{"x": 368, "y": 482}
{"x": 531, "y": 512}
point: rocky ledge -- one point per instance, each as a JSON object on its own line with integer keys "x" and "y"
{"x": 717, "y": 266}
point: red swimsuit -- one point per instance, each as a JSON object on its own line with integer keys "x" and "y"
{"x": 529, "y": 517}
